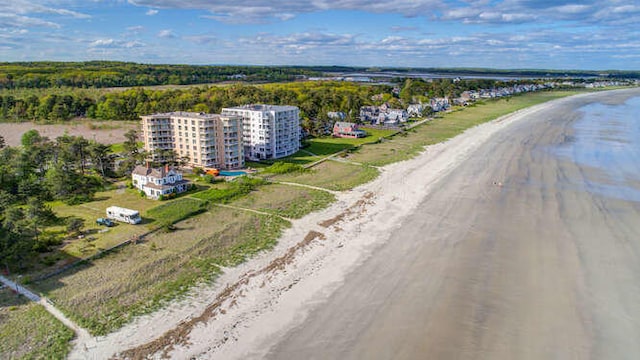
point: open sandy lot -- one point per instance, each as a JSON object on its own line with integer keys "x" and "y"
{"x": 476, "y": 249}
{"x": 112, "y": 133}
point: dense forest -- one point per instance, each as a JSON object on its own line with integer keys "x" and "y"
{"x": 314, "y": 98}
{"x": 100, "y": 74}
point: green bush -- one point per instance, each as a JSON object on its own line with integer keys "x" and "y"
{"x": 233, "y": 190}
{"x": 175, "y": 211}
{"x": 280, "y": 167}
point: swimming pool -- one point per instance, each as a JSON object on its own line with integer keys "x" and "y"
{"x": 232, "y": 173}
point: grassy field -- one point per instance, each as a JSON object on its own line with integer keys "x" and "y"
{"x": 332, "y": 175}
{"x": 99, "y": 237}
{"x": 288, "y": 201}
{"x": 321, "y": 147}
{"x": 21, "y": 339}
{"x": 407, "y": 145}
{"x": 106, "y": 293}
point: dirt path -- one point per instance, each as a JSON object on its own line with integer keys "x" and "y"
{"x": 82, "y": 335}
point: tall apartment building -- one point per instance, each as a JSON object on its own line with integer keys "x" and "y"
{"x": 268, "y": 131}
{"x": 207, "y": 140}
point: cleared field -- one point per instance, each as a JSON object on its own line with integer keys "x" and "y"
{"x": 288, "y": 201}
{"x": 21, "y": 339}
{"x": 110, "y": 132}
{"x": 100, "y": 237}
{"x": 332, "y": 175}
{"x": 106, "y": 293}
{"x": 406, "y": 145}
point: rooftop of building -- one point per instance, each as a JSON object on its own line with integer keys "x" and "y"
{"x": 186, "y": 114}
{"x": 263, "y": 107}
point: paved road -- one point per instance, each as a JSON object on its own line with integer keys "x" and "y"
{"x": 509, "y": 259}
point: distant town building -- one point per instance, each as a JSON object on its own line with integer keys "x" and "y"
{"x": 336, "y": 115}
{"x": 383, "y": 115}
{"x": 439, "y": 104}
{"x": 156, "y": 182}
{"x": 347, "y": 130}
{"x": 207, "y": 140}
{"x": 268, "y": 131}
{"x": 415, "y": 110}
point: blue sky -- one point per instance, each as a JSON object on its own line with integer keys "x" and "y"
{"x": 587, "y": 34}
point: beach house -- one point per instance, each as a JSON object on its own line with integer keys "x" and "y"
{"x": 156, "y": 182}
{"x": 347, "y": 130}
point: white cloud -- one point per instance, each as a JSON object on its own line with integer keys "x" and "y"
{"x": 102, "y": 43}
{"x": 151, "y": 12}
{"x": 166, "y": 34}
{"x": 260, "y": 11}
{"x": 135, "y": 29}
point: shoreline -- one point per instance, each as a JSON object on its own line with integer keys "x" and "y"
{"x": 263, "y": 307}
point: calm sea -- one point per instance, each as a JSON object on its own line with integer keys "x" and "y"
{"x": 607, "y": 139}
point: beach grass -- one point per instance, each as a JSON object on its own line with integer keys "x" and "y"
{"x": 108, "y": 292}
{"x": 288, "y": 201}
{"x": 28, "y": 331}
{"x": 332, "y": 175}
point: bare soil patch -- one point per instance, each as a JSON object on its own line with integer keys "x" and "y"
{"x": 104, "y": 132}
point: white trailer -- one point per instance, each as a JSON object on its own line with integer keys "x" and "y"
{"x": 122, "y": 214}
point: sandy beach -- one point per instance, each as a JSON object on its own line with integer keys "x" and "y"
{"x": 476, "y": 249}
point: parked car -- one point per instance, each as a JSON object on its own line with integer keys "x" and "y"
{"x": 104, "y": 221}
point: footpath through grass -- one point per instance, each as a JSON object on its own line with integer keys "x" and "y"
{"x": 106, "y": 293}
{"x": 28, "y": 331}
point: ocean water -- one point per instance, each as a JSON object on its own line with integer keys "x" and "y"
{"x": 606, "y": 138}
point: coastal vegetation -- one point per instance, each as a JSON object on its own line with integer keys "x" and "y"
{"x": 28, "y": 331}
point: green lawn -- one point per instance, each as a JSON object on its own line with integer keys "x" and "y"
{"x": 318, "y": 148}
{"x": 20, "y": 339}
{"x": 332, "y": 175}
{"x": 288, "y": 201}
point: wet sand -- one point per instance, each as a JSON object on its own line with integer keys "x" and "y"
{"x": 505, "y": 259}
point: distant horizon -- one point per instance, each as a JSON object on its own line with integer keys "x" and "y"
{"x": 365, "y": 67}
{"x": 594, "y": 35}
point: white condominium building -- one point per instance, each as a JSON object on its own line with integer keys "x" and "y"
{"x": 207, "y": 140}
{"x": 268, "y": 131}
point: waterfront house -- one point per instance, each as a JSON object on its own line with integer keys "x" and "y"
{"x": 156, "y": 182}
{"x": 347, "y": 130}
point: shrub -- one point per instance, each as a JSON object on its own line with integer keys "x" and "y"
{"x": 233, "y": 190}
{"x": 280, "y": 167}
{"x": 198, "y": 171}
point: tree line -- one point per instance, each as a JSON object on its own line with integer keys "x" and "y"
{"x": 314, "y": 98}
{"x": 100, "y": 74}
